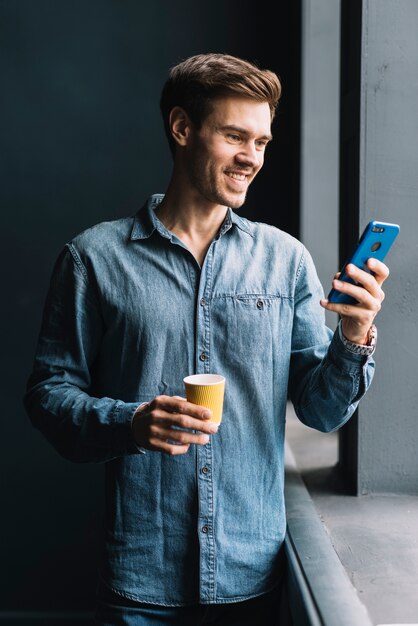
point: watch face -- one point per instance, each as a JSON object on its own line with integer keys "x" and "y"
{"x": 372, "y": 335}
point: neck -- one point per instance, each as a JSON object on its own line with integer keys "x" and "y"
{"x": 192, "y": 220}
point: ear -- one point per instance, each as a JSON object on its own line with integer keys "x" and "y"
{"x": 180, "y": 125}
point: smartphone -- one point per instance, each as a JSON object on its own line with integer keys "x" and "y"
{"x": 375, "y": 242}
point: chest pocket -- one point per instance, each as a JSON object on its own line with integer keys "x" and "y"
{"x": 246, "y": 327}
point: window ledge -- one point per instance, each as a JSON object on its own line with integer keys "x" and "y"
{"x": 373, "y": 538}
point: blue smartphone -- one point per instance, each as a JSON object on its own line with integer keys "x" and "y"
{"x": 375, "y": 242}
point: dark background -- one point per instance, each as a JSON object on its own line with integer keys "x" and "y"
{"x": 81, "y": 142}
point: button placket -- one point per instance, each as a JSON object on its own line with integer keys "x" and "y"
{"x": 205, "y": 523}
{"x": 204, "y": 453}
{"x": 203, "y": 314}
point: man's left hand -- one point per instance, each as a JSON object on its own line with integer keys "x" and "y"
{"x": 357, "y": 318}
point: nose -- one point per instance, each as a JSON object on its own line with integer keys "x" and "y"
{"x": 249, "y": 155}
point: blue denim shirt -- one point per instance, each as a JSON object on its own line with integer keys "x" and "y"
{"x": 130, "y": 313}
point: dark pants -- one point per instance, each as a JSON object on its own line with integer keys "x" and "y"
{"x": 114, "y": 610}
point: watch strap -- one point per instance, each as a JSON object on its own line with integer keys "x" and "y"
{"x": 365, "y": 350}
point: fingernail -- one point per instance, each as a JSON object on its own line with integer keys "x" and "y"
{"x": 372, "y": 263}
{"x": 337, "y": 283}
{"x": 213, "y": 428}
{"x": 205, "y": 438}
{"x": 206, "y": 414}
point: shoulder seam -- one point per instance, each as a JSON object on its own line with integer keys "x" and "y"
{"x": 77, "y": 261}
{"x": 301, "y": 262}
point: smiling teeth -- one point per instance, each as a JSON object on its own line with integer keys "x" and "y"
{"x": 236, "y": 176}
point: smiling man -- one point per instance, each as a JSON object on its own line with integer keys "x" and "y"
{"x": 195, "y": 517}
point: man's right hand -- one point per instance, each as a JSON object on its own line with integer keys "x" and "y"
{"x": 154, "y": 425}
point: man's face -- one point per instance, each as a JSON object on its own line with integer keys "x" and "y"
{"x": 224, "y": 156}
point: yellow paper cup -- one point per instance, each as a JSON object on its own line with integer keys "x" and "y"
{"x": 206, "y": 390}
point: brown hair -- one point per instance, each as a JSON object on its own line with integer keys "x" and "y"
{"x": 193, "y": 83}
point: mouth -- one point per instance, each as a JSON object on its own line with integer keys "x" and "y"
{"x": 238, "y": 175}
{"x": 238, "y": 179}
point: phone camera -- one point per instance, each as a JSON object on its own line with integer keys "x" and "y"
{"x": 378, "y": 229}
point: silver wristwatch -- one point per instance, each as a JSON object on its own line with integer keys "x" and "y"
{"x": 365, "y": 350}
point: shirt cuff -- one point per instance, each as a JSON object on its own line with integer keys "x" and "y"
{"x": 139, "y": 448}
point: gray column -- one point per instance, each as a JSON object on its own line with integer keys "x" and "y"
{"x": 320, "y": 136}
{"x": 379, "y": 156}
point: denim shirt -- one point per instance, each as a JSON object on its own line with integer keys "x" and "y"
{"x": 129, "y": 313}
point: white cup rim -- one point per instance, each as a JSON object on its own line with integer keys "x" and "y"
{"x": 204, "y": 379}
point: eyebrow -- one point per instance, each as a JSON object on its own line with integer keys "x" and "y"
{"x": 243, "y": 131}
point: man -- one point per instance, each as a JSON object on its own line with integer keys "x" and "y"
{"x": 195, "y": 518}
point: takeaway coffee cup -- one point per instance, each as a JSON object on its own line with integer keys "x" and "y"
{"x": 206, "y": 390}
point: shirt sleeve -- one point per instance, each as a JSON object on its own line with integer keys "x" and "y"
{"x": 58, "y": 400}
{"x": 326, "y": 380}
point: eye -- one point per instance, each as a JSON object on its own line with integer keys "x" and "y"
{"x": 261, "y": 144}
{"x": 233, "y": 137}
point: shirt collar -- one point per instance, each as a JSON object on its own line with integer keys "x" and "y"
{"x": 232, "y": 219}
{"x": 146, "y": 222}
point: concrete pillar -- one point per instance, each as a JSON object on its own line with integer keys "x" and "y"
{"x": 320, "y": 136}
{"x": 379, "y": 180}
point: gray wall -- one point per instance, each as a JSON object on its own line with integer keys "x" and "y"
{"x": 378, "y": 180}
{"x": 81, "y": 142}
{"x": 320, "y": 106}
{"x": 388, "y": 425}
{"x": 380, "y": 158}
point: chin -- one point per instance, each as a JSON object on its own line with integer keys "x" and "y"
{"x": 236, "y": 203}
{"x": 233, "y": 200}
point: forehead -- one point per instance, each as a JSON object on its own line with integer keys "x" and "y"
{"x": 250, "y": 114}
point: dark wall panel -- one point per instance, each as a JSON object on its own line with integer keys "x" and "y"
{"x": 81, "y": 142}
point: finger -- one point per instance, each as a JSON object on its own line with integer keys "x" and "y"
{"x": 366, "y": 281}
{"x": 363, "y": 297}
{"x": 175, "y": 404}
{"x": 159, "y": 445}
{"x": 168, "y": 420}
{"x": 342, "y": 309}
{"x": 379, "y": 269}
{"x": 353, "y": 311}
{"x": 365, "y": 303}
{"x": 179, "y": 436}
{"x": 190, "y": 423}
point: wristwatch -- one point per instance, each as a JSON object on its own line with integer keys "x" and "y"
{"x": 366, "y": 349}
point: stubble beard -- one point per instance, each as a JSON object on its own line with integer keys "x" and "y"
{"x": 209, "y": 188}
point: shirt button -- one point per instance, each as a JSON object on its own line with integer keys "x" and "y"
{"x": 205, "y": 529}
{"x": 203, "y": 302}
{"x": 203, "y": 356}
{"x": 205, "y": 470}
{"x": 260, "y": 304}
